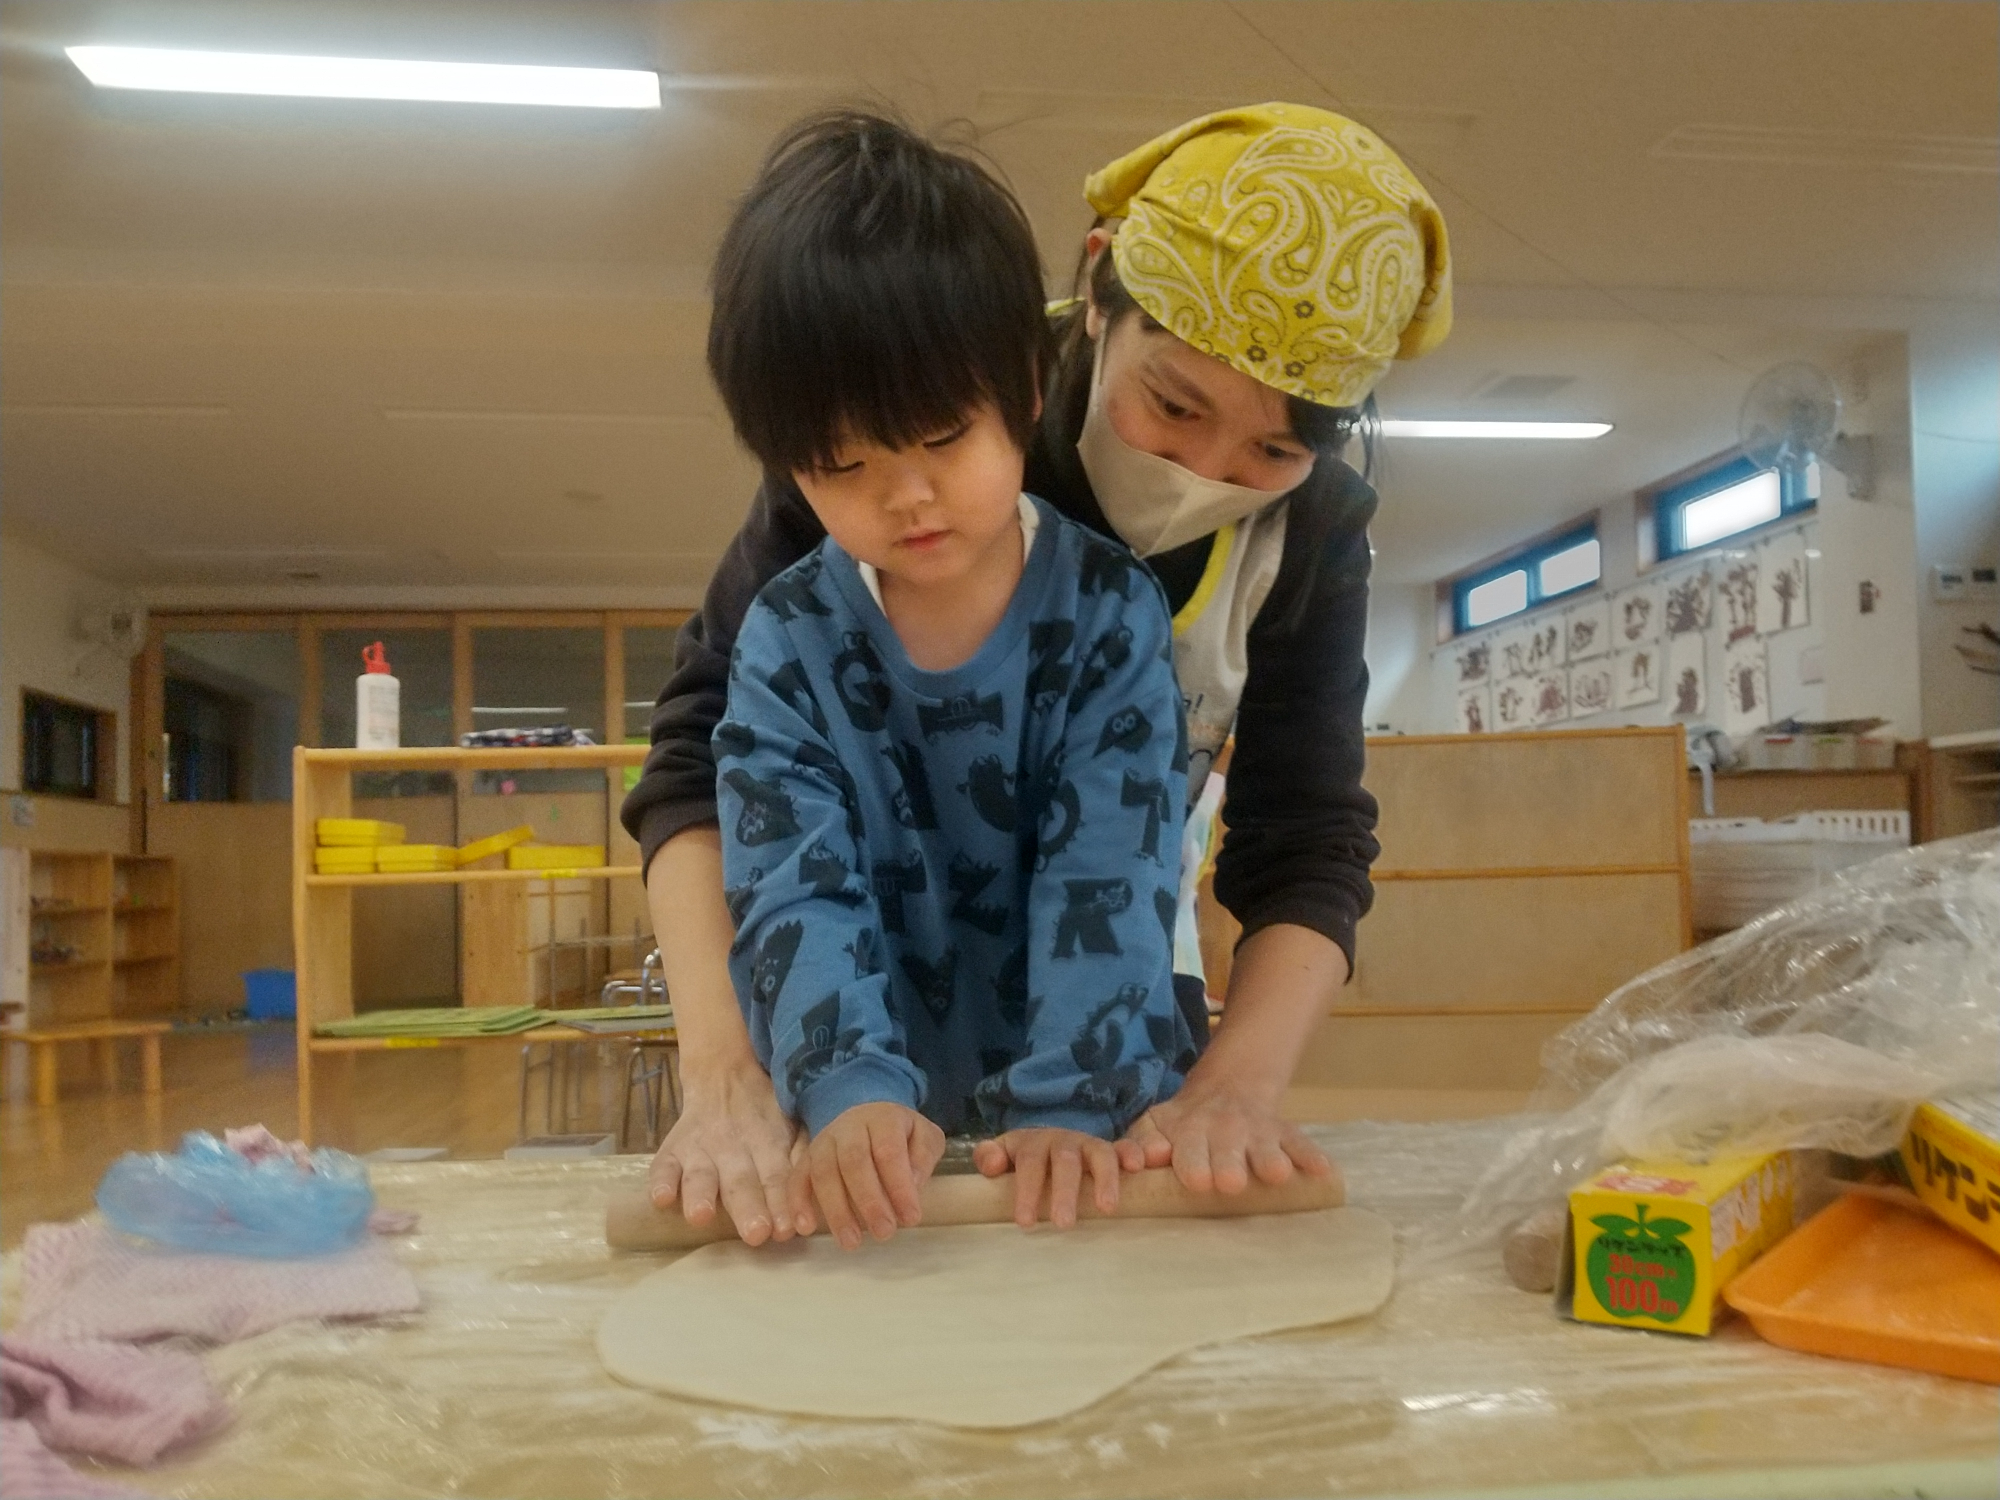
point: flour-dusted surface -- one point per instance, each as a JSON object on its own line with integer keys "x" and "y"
{"x": 985, "y": 1326}
{"x": 495, "y": 1389}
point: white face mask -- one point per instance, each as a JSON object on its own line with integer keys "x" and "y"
{"x": 1152, "y": 502}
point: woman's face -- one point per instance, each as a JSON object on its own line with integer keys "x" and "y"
{"x": 1165, "y": 397}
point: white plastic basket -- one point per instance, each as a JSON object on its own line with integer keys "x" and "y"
{"x": 1872, "y": 826}
{"x": 1742, "y": 867}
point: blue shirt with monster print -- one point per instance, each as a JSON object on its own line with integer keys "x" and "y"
{"x": 955, "y": 891}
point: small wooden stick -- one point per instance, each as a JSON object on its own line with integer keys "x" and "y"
{"x": 632, "y": 1223}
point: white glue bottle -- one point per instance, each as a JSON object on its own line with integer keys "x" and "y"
{"x": 378, "y": 704}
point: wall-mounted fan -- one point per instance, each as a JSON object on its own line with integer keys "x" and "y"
{"x": 1791, "y": 416}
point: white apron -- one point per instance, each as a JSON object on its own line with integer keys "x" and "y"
{"x": 1212, "y": 661}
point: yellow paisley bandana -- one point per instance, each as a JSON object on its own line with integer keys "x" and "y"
{"x": 1287, "y": 241}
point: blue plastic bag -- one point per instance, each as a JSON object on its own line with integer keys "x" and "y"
{"x": 208, "y": 1197}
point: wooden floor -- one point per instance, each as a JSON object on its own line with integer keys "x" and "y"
{"x": 466, "y": 1101}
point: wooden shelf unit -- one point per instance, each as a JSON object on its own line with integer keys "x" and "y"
{"x": 1957, "y": 783}
{"x": 107, "y": 929}
{"x": 323, "y": 905}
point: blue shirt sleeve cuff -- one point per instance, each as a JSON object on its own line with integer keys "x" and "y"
{"x": 866, "y": 1080}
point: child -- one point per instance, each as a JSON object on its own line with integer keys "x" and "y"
{"x": 951, "y": 775}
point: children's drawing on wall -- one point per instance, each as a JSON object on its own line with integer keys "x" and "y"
{"x": 1475, "y": 711}
{"x": 1510, "y": 704}
{"x": 1545, "y": 645}
{"x": 1475, "y": 663}
{"x": 1687, "y": 674}
{"x": 1587, "y": 630}
{"x": 1637, "y": 675}
{"x": 1737, "y": 595}
{"x": 1688, "y": 602}
{"x": 1590, "y": 688}
{"x": 1781, "y": 585}
{"x": 1746, "y": 687}
{"x": 1640, "y": 612}
{"x": 1549, "y": 699}
{"x": 1510, "y": 652}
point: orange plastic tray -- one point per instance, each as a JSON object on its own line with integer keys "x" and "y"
{"x": 1870, "y": 1281}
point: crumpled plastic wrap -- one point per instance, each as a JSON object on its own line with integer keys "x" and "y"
{"x": 1821, "y": 1024}
{"x": 1461, "y": 1383}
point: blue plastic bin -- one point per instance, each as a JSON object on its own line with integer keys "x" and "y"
{"x": 271, "y": 994}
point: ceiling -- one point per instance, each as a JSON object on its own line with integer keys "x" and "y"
{"x": 259, "y": 348}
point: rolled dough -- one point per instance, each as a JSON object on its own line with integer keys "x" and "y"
{"x": 984, "y": 1326}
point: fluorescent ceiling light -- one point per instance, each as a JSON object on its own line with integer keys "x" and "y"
{"x": 364, "y": 78}
{"x": 557, "y": 709}
{"x": 1557, "y": 431}
{"x": 1754, "y": 501}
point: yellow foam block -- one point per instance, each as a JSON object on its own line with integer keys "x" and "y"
{"x": 416, "y": 857}
{"x": 344, "y": 861}
{"x": 347, "y": 833}
{"x": 555, "y": 856}
{"x": 499, "y": 843}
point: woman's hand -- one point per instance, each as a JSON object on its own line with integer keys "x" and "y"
{"x": 1059, "y": 1158}
{"x": 1224, "y": 1126}
{"x": 866, "y": 1170}
{"x": 731, "y": 1141}
{"x": 1217, "y": 1136}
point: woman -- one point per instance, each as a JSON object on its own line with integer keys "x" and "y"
{"x": 1251, "y": 277}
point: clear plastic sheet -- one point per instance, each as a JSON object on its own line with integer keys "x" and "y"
{"x": 1461, "y": 1383}
{"x": 1823, "y": 1023}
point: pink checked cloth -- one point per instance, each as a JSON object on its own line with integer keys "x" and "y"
{"x": 83, "y": 1281}
{"x": 107, "y": 1400}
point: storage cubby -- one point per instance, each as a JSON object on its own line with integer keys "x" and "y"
{"x": 103, "y": 937}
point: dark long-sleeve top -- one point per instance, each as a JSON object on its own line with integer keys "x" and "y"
{"x": 1301, "y": 827}
{"x": 955, "y": 890}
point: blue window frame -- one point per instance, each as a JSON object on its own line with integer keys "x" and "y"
{"x": 1728, "y": 500}
{"x": 1552, "y": 569}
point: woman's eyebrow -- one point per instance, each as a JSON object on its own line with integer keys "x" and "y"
{"x": 1190, "y": 393}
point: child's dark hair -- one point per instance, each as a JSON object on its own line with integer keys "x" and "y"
{"x": 873, "y": 286}
{"x": 1324, "y": 429}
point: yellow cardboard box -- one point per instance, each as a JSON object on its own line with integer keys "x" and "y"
{"x": 1652, "y": 1244}
{"x": 1952, "y": 1157}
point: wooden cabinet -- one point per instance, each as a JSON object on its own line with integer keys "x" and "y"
{"x": 1523, "y": 877}
{"x": 1957, "y": 784}
{"x": 91, "y": 937}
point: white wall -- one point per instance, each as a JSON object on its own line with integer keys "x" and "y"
{"x": 1931, "y": 402}
{"x": 1955, "y": 463}
{"x": 40, "y": 597}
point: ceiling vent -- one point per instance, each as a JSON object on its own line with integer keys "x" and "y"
{"x": 1519, "y": 390}
{"x": 1793, "y": 145}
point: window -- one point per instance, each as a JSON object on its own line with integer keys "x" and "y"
{"x": 66, "y": 748}
{"x": 231, "y": 700}
{"x": 1728, "y": 500}
{"x": 1534, "y": 575}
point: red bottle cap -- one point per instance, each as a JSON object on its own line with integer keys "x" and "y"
{"x": 375, "y": 658}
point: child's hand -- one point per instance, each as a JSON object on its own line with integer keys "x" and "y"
{"x": 865, "y": 1169}
{"x": 1059, "y": 1158}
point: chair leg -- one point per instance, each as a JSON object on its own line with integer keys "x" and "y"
{"x": 45, "y": 1074}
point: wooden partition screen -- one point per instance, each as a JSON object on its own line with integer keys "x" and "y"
{"x": 1523, "y": 877}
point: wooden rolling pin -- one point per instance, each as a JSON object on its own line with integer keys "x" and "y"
{"x": 632, "y": 1223}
